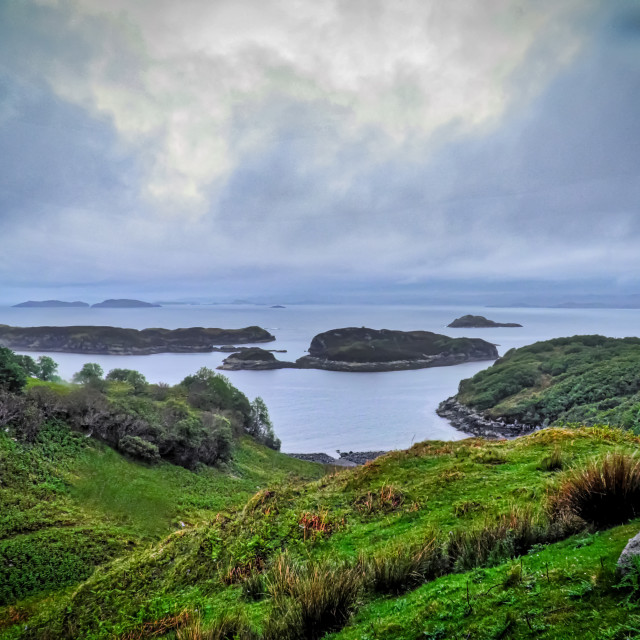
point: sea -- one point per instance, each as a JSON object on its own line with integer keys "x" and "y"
{"x": 330, "y": 411}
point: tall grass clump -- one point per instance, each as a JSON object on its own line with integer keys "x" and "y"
{"x": 513, "y": 534}
{"x": 605, "y": 492}
{"x": 231, "y": 626}
{"x": 310, "y": 599}
{"x": 553, "y": 462}
{"x": 405, "y": 567}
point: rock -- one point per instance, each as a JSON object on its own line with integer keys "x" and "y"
{"x": 362, "y": 349}
{"x": 478, "y": 322}
{"x": 119, "y": 341}
{"x": 625, "y": 561}
{"x": 254, "y": 359}
{"x": 469, "y": 421}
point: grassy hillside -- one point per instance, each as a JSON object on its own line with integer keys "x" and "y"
{"x": 589, "y": 379}
{"x": 467, "y": 539}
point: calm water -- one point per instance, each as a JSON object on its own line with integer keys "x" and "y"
{"x": 326, "y": 410}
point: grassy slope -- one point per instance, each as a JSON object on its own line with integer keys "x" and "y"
{"x": 69, "y": 503}
{"x": 588, "y": 379}
{"x": 401, "y": 498}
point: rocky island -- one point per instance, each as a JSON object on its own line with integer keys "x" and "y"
{"x": 123, "y": 303}
{"x": 49, "y": 304}
{"x": 362, "y": 349}
{"x": 254, "y": 359}
{"x": 119, "y": 341}
{"x": 479, "y": 322}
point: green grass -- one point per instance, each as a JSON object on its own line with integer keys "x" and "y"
{"x": 69, "y": 504}
{"x": 472, "y": 512}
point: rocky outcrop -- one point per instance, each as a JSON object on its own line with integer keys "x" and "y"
{"x": 478, "y": 322}
{"x": 350, "y": 459}
{"x": 627, "y": 557}
{"x": 229, "y": 348}
{"x": 254, "y": 359}
{"x": 49, "y": 304}
{"x": 474, "y": 423}
{"x": 364, "y": 350}
{"x": 119, "y": 341}
{"x": 123, "y": 303}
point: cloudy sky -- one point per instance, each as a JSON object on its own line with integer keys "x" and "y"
{"x": 236, "y": 147}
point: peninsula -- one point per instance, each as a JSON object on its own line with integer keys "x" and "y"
{"x": 361, "y": 349}
{"x": 49, "y": 304}
{"x": 479, "y": 322}
{"x": 124, "y": 342}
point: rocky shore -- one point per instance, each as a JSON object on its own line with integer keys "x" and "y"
{"x": 474, "y": 423}
{"x": 440, "y": 360}
{"x": 346, "y": 459}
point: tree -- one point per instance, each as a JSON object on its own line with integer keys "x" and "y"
{"x": 47, "y": 369}
{"x": 28, "y": 365}
{"x": 260, "y": 426}
{"x": 131, "y": 376}
{"x": 90, "y": 372}
{"x": 12, "y": 374}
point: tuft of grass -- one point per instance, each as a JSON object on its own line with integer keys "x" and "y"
{"x": 311, "y": 599}
{"x": 604, "y": 492}
{"x": 552, "y": 462}
{"x": 513, "y": 534}
{"x": 403, "y": 568}
{"x": 230, "y": 626}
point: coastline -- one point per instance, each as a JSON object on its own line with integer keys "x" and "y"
{"x": 350, "y": 459}
{"x": 475, "y": 424}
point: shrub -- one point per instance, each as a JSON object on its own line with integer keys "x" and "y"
{"x": 138, "y": 448}
{"x": 604, "y": 493}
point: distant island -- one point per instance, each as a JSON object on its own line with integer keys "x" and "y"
{"x": 478, "y": 322}
{"x": 50, "y": 304}
{"x": 119, "y": 341}
{"x": 278, "y": 306}
{"x": 123, "y": 303}
{"x": 362, "y": 349}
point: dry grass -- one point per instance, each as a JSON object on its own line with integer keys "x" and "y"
{"x": 604, "y": 493}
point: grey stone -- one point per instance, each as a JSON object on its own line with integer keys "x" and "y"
{"x": 625, "y": 561}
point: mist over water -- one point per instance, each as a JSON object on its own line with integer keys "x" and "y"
{"x": 324, "y": 410}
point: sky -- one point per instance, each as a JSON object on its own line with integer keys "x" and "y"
{"x": 307, "y": 149}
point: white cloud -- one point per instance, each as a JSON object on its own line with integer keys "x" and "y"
{"x": 173, "y": 76}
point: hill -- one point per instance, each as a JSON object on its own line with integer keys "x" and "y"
{"x": 124, "y": 303}
{"x": 589, "y": 379}
{"x": 445, "y": 540}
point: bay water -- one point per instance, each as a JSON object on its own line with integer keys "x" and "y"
{"x": 326, "y": 411}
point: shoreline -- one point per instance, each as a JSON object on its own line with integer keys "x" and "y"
{"x": 346, "y": 459}
{"x": 475, "y": 424}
